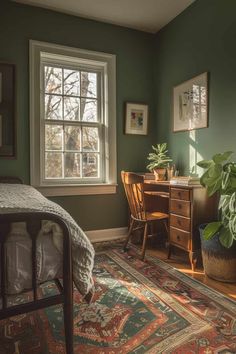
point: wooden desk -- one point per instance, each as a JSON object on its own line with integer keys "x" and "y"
{"x": 188, "y": 207}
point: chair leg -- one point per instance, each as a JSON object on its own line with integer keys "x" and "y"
{"x": 68, "y": 320}
{"x": 166, "y": 227}
{"x": 129, "y": 235}
{"x": 144, "y": 241}
{"x": 168, "y": 246}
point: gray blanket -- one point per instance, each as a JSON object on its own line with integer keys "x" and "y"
{"x": 22, "y": 198}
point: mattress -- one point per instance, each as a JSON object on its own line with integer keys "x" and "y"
{"x": 18, "y": 248}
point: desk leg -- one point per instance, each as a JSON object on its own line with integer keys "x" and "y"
{"x": 168, "y": 250}
{"x": 193, "y": 257}
{"x": 168, "y": 246}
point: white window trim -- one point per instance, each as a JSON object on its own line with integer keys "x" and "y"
{"x": 109, "y": 61}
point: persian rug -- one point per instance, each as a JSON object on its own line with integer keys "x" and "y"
{"x": 139, "y": 307}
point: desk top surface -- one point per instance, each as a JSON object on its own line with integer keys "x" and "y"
{"x": 167, "y": 183}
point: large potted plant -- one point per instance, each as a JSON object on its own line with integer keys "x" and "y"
{"x": 219, "y": 237}
{"x": 159, "y": 161}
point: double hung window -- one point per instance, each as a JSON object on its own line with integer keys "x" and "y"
{"x": 72, "y": 119}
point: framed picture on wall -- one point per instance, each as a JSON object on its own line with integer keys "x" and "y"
{"x": 7, "y": 111}
{"x": 190, "y": 104}
{"x": 136, "y": 118}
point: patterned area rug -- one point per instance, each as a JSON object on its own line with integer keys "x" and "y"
{"x": 138, "y": 308}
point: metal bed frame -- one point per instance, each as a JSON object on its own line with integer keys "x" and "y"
{"x": 33, "y": 222}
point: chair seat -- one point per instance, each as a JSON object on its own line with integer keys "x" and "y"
{"x": 156, "y": 215}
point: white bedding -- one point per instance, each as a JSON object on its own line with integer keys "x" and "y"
{"x": 21, "y": 198}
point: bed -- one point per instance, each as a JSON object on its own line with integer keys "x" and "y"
{"x": 39, "y": 241}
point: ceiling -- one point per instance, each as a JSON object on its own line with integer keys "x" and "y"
{"x": 145, "y": 15}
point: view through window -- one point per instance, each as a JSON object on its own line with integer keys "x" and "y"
{"x": 72, "y": 118}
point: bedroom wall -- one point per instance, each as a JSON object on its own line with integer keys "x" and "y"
{"x": 200, "y": 39}
{"x": 135, "y": 81}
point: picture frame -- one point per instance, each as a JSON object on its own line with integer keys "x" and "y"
{"x": 7, "y": 111}
{"x": 190, "y": 104}
{"x": 136, "y": 118}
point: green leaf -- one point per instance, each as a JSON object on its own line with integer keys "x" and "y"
{"x": 226, "y": 238}
{"x": 232, "y": 203}
{"x": 215, "y": 170}
{"x": 204, "y": 178}
{"x": 232, "y": 183}
{"x": 225, "y": 180}
{"x": 233, "y": 167}
{"x": 205, "y": 163}
{"x": 219, "y": 158}
{"x": 211, "y": 229}
{"x": 212, "y": 189}
{"x": 224, "y": 202}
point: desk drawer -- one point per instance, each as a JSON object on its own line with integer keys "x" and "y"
{"x": 180, "y": 207}
{"x": 180, "y": 222}
{"x": 180, "y": 238}
{"x": 178, "y": 193}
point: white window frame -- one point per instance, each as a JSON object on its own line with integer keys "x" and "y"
{"x": 40, "y": 52}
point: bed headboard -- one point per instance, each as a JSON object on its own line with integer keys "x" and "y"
{"x": 10, "y": 179}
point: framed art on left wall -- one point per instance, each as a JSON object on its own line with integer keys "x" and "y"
{"x": 7, "y": 111}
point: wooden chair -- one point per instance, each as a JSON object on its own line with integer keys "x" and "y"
{"x": 140, "y": 217}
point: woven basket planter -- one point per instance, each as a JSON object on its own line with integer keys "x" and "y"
{"x": 219, "y": 262}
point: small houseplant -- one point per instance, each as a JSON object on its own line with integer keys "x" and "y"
{"x": 219, "y": 237}
{"x": 159, "y": 161}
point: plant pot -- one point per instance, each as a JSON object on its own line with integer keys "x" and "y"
{"x": 160, "y": 174}
{"x": 219, "y": 262}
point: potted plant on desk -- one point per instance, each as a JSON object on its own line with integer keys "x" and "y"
{"x": 219, "y": 238}
{"x": 159, "y": 161}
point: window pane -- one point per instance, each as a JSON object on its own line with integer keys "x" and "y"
{"x": 71, "y": 108}
{"x": 53, "y": 80}
{"x": 90, "y": 139}
{"x": 53, "y": 107}
{"x": 53, "y": 137}
{"x": 72, "y": 164}
{"x": 90, "y": 165}
{"x": 88, "y": 110}
{"x": 53, "y": 165}
{"x": 88, "y": 84}
{"x": 71, "y": 82}
{"x": 72, "y": 138}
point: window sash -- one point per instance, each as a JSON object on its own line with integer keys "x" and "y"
{"x": 79, "y": 123}
{"x": 81, "y": 151}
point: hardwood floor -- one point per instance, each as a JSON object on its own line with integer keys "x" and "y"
{"x": 180, "y": 261}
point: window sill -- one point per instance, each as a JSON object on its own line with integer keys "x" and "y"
{"x": 56, "y": 191}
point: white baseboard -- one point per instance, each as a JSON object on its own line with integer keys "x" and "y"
{"x": 107, "y": 234}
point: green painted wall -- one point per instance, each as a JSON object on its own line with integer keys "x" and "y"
{"x": 135, "y": 82}
{"x": 202, "y": 38}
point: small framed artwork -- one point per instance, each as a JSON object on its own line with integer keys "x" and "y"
{"x": 190, "y": 104}
{"x": 7, "y": 111}
{"x": 136, "y": 118}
